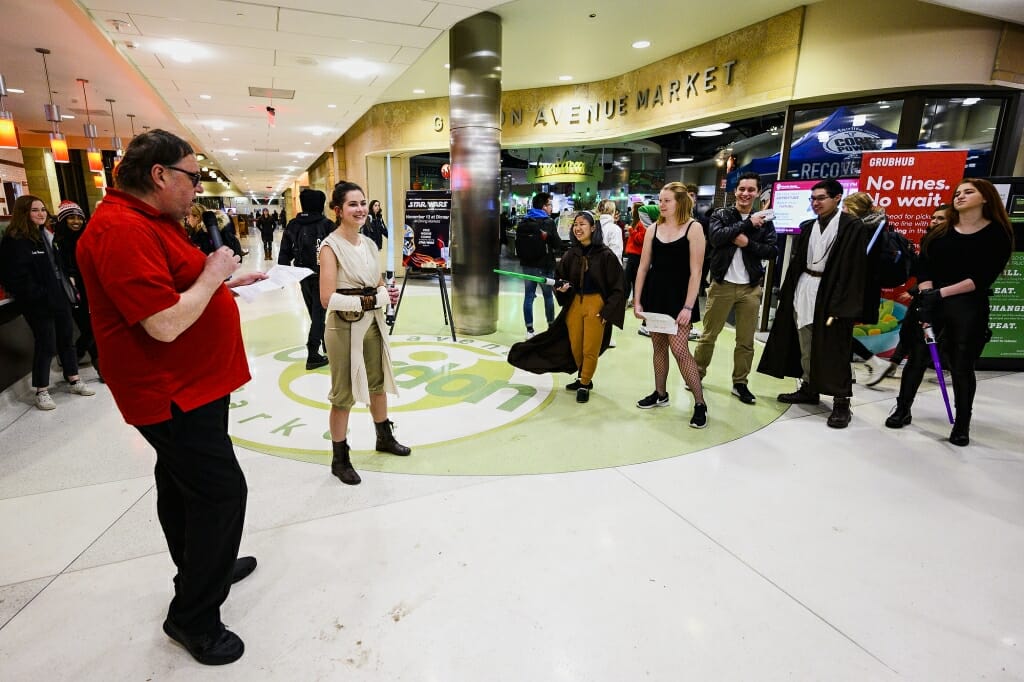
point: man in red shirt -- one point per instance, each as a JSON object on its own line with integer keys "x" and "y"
{"x": 170, "y": 327}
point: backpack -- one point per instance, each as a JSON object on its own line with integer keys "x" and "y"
{"x": 307, "y": 243}
{"x": 895, "y": 257}
{"x": 530, "y": 245}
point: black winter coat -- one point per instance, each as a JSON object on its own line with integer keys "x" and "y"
{"x": 726, "y": 224}
{"x": 300, "y": 242}
{"x": 28, "y": 275}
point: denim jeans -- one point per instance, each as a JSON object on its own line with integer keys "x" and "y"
{"x": 531, "y": 293}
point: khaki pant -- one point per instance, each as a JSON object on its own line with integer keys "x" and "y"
{"x": 586, "y": 331}
{"x": 338, "y": 339}
{"x": 745, "y": 299}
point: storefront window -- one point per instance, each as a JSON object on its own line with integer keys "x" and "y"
{"x": 963, "y": 123}
{"x": 827, "y": 142}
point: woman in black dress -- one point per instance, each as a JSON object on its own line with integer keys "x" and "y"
{"x": 668, "y": 282}
{"x": 959, "y": 263}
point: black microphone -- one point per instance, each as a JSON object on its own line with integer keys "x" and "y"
{"x": 210, "y": 221}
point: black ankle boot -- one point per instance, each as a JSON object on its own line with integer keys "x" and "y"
{"x": 341, "y": 464}
{"x": 841, "y": 415}
{"x": 900, "y": 416}
{"x": 961, "y": 433}
{"x": 386, "y": 439}
{"x": 804, "y": 395}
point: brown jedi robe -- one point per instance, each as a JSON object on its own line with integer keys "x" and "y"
{"x": 844, "y": 295}
{"x": 550, "y": 350}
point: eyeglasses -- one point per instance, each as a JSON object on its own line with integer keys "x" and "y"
{"x": 197, "y": 178}
{"x": 819, "y": 198}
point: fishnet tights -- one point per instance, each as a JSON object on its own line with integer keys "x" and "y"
{"x": 687, "y": 365}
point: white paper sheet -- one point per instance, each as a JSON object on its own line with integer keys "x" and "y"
{"x": 278, "y": 277}
{"x": 660, "y": 323}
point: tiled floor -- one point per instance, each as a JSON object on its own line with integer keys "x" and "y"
{"x": 780, "y": 550}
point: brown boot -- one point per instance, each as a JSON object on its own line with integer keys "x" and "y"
{"x": 386, "y": 439}
{"x": 841, "y": 414}
{"x": 341, "y": 464}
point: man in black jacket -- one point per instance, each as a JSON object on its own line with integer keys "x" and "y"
{"x": 300, "y": 245}
{"x": 537, "y": 241}
{"x": 740, "y": 238}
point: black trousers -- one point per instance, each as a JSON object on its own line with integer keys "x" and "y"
{"x": 53, "y": 333}
{"x": 201, "y": 495}
{"x": 86, "y": 342}
{"x": 632, "y": 262}
{"x": 311, "y": 295}
{"x": 961, "y": 327}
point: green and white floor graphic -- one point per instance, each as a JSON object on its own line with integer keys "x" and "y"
{"x": 464, "y": 410}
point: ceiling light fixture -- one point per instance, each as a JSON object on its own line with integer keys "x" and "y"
{"x": 205, "y": 97}
{"x": 641, "y": 44}
{"x": 332, "y": 106}
{"x": 67, "y": 117}
{"x": 58, "y": 145}
{"x": 565, "y": 78}
{"x": 115, "y": 140}
{"x": 419, "y": 91}
{"x": 16, "y": 91}
{"x": 708, "y": 127}
{"x": 8, "y": 135}
{"x": 681, "y": 159}
{"x": 131, "y": 119}
{"x": 92, "y": 154}
{"x": 707, "y": 133}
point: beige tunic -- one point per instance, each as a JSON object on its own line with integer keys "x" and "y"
{"x": 357, "y": 268}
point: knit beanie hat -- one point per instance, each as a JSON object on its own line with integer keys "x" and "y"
{"x": 649, "y": 214}
{"x": 67, "y": 209}
{"x": 312, "y": 201}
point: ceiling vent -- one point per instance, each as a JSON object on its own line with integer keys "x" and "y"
{"x": 271, "y": 93}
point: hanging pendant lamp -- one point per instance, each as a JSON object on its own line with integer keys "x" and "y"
{"x": 58, "y": 145}
{"x": 115, "y": 140}
{"x": 8, "y": 135}
{"x": 93, "y": 154}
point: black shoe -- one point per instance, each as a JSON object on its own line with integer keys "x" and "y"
{"x": 700, "y": 416}
{"x": 576, "y": 385}
{"x": 961, "y": 433}
{"x": 244, "y": 566}
{"x": 841, "y": 414}
{"x": 900, "y": 416}
{"x": 802, "y": 396}
{"x": 743, "y": 393}
{"x": 315, "y": 362}
{"x": 583, "y": 392}
{"x": 219, "y": 648}
{"x": 341, "y": 464}
{"x": 386, "y": 439}
{"x": 653, "y": 400}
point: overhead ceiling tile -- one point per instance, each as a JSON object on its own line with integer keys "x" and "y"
{"x": 399, "y": 11}
{"x": 445, "y": 16}
{"x": 407, "y": 55}
{"x": 189, "y": 12}
{"x": 330, "y": 26}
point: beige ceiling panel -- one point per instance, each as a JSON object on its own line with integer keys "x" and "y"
{"x": 116, "y": 23}
{"x": 445, "y": 16}
{"x": 324, "y": 56}
{"x": 347, "y": 28}
{"x": 407, "y": 55}
{"x": 481, "y": 5}
{"x": 188, "y": 12}
{"x": 399, "y": 11}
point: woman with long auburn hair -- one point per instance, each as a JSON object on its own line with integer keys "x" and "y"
{"x": 31, "y": 267}
{"x": 960, "y": 261}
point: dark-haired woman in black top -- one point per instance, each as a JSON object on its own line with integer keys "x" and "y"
{"x": 959, "y": 263}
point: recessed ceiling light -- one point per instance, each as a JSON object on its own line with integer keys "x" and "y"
{"x": 225, "y": 139}
{"x": 707, "y": 133}
{"x": 641, "y": 44}
{"x": 16, "y": 91}
{"x": 307, "y": 143}
{"x": 565, "y": 78}
{"x": 708, "y": 127}
{"x": 205, "y": 97}
{"x": 418, "y": 91}
{"x": 67, "y": 117}
{"x": 680, "y": 159}
{"x": 332, "y": 106}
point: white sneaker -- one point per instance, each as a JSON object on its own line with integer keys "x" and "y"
{"x": 643, "y": 331}
{"x": 530, "y": 335}
{"x": 81, "y": 388}
{"x": 44, "y": 401}
{"x": 611, "y": 343}
{"x": 878, "y": 369}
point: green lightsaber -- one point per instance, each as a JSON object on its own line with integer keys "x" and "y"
{"x": 529, "y": 278}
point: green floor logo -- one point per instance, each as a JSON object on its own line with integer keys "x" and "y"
{"x": 448, "y": 390}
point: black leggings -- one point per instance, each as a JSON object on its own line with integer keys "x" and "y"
{"x": 961, "y": 327}
{"x": 53, "y": 333}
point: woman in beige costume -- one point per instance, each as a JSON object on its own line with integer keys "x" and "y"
{"x": 353, "y": 292}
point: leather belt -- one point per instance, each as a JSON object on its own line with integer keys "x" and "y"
{"x": 365, "y": 291}
{"x": 813, "y": 273}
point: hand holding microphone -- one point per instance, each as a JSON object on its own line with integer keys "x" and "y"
{"x": 210, "y": 222}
